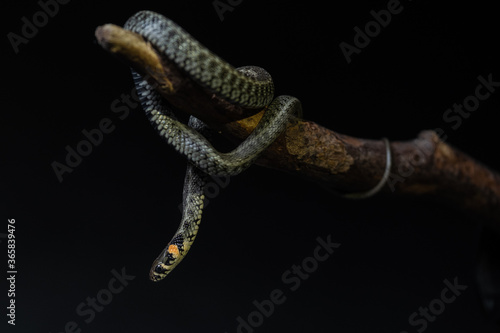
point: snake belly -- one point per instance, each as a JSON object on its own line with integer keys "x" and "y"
{"x": 248, "y": 86}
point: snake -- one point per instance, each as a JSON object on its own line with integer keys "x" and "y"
{"x": 249, "y": 86}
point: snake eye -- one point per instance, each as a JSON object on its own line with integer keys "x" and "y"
{"x": 159, "y": 269}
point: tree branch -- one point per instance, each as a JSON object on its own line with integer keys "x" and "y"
{"x": 424, "y": 166}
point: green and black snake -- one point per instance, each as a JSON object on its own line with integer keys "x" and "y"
{"x": 250, "y": 87}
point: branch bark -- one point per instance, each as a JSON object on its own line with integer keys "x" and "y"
{"x": 423, "y": 166}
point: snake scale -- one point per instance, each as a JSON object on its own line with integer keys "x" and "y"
{"x": 250, "y": 87}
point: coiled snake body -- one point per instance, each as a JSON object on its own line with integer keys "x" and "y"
{"x": 248, "y": 86}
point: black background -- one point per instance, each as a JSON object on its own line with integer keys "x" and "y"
{"x": 119, "y": 207}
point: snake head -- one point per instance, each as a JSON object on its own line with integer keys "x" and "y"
{"x": 165, "y": 263}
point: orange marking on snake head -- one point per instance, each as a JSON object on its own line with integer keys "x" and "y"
{"x": 173, "y": 250}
